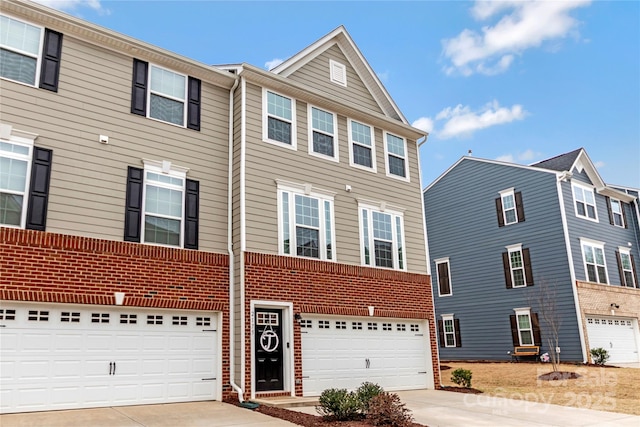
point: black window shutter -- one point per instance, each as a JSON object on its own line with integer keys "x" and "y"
{"x": 499, "y": 212}
{"x": 514, "y": 330}
{"x": 191, "y": 214}
{"x": 507, "y": 269}
{"x": 456, "y": 325}
{"x": 139, "y": 87}
{"x": 519, "y": 206}
{"x": 528, "y": 271}
{"x": 443, "y": 279}
{"x": 623, "y": 282}
{"x": 51, "y": 56}
{"x": 193, "y": 108}
{"x": 441, "y": 333}
{"x": 39, "y": 189}
{"x": 133, "y": 208}
{"x": 624, "y": 215}
{"x": 537, "y": 338}
{"x": 635, "y": 272}
{"x": 609, "y": 210}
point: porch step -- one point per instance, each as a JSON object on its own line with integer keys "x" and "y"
{"x": 286, "y": 401}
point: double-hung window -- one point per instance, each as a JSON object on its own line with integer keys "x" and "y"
{"x": 627, "y": 268}
{"x": 594, "y": 261}
{"x": 305, "y": 222}
{"x": 165, "y": 95}
{"x": 585, "y": 202}
{"x": 395, "y": 149}
{"x": 517, "y": 266}
{"x": 162, "y": 205}
{"x": 616, "y": 213}
{"x": 362, "y": 152}
{"x": 29, "y": 54}
{"x": 323, "y": 138}
{"x": 382, "y": 237}
{"x": 524, "y": 327}
{"x": 449, "y": 331}
{"x": 24, "y": 180}
{"x": 509, "y": 207}
{"x": 279, "y": 119}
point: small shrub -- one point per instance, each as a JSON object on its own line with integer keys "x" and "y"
{"x": 386, "y": 409}
{"x": 366, "y": 392}
{"x": 599, "y": 355}
{"x": 462, "y": 377}
{"x": 339, "y": 404}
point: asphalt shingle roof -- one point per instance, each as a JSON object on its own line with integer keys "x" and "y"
{"x": 563, "y": 162}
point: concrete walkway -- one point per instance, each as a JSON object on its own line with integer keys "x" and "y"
{"x": 449, "y": 409}
{"x": 196, "y": 414}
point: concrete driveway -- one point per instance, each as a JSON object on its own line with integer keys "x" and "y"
{"x": 196, "y": 414}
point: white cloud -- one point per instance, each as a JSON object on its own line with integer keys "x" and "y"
{"x": 523, "y": 157}
{"x": 462, "y": 121}
{"x": 384, "y": 77}
{"x": 68, "y": 5}
{"x": 599, "y": 164}
{"x": 424, "y": 123}
{"x": 269, "y": 65}
{"x": 506, "y": 158}
{"x": 524, "y": 25}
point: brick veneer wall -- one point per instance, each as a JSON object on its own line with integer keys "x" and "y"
{"x": 47, "y": 267}
{"x": 318, "y": 287}
{"x": 596, "y": 299}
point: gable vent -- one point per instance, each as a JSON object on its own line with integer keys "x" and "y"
{"x": 338, "y": 72}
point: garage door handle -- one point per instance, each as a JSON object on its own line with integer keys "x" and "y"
{"x": 110, "y": 368}
{"x": 114, "y": 368}
{"x": 367, "y": 363}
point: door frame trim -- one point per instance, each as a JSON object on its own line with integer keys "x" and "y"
{"x": 287, "y": 335}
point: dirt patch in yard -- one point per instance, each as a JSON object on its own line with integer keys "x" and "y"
{"x": 599, "y": 388}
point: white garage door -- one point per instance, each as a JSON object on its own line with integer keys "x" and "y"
{"x": 616, "y": 335}
{"x": 61, "y": 357}
{"x": 343, "y": 352}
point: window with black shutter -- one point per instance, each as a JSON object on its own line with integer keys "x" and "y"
{"x": 509, "y": 207}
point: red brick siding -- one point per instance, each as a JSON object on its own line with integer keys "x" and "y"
{"x": 329, "y": 288}
{"x": 48, "y": 267}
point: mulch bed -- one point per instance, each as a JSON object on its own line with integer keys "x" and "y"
{"x": 559, "y": 376}
{"x": 467, "y": 390}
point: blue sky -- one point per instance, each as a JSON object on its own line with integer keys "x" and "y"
{"x": 513, "y": 80}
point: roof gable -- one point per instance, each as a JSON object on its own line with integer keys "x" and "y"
{"x": 343, "y": 40}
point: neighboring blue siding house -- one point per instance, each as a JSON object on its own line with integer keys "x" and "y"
{"x": 518, "y": 250}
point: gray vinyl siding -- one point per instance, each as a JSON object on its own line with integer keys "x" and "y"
{"x": 267, "y": 162}
{"x": 462, "y": 225}
{"x": 88, "y": 179}
{"x": 316, "y": 75}
{"x": 601, "y": 231}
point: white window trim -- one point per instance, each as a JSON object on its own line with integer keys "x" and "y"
{"x": 265, "y": 121}
{"x": 516, "y": 248}
{"x": 38, "y": 58}
{"x": 505, "y": 193}
{"x": 333, "y": 65}
{"x": 520, "y": 312}
{"x": 25, "y": 139}
{"x": 163, "y": 167}
{"x": 446, "y": 317}
{"x": 373, "y": 167}
{"x": 613, "y": 214}
{"x": 594, "y": 244}
{"x": 627, "y": 252}
{"x": 311, "y": 129}
{"x": 386, "y": 157}
{"x": 184, "y": 101}
{"x": 383, "y": 208}
{"x": 584, "y": 188}
{"x": 442, "y": 261}
{"x": 309, "y": 191}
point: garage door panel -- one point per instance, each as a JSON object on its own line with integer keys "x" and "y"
{"x": 345, "y": 352}
{"x": 616, "y": 335}
{"x": 64, "y": 364}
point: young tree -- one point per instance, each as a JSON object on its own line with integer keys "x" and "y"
{"x": 544, "y": 297}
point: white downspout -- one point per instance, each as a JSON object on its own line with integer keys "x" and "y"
{"x": 232, "y": 369}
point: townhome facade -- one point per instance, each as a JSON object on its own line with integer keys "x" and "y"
{"x": 173, "y": 231}
{"x": 542, "y": 255}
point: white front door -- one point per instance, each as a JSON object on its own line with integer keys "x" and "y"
{"x": 344, "y": 352}
{"x": 57, "y": 356}
{"x": 616, "y": 335}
